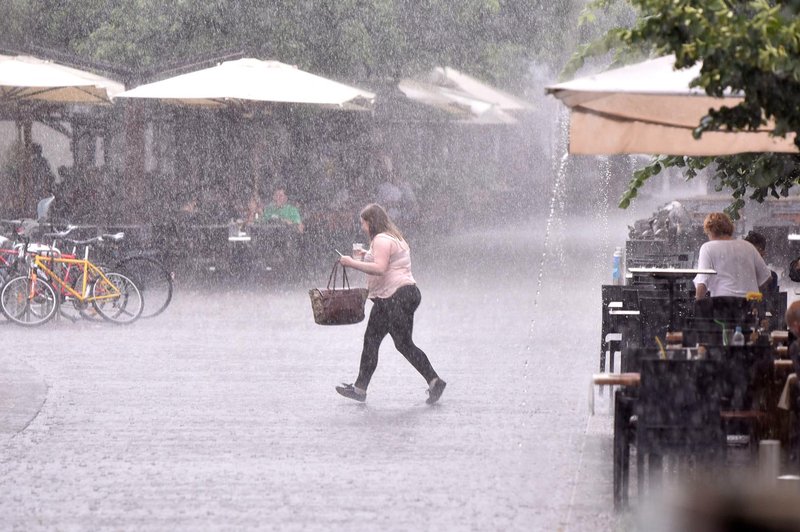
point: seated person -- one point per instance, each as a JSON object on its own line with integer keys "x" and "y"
{"x": 794, "y": 270}
{"x": 793, "y": 324}
{"x": 253, "y": 210}
{"x": 189, "y": 211}
{"x": 281, "y": 210}
{"x": 760, "y": 242}
{"x": 286, "y": 246}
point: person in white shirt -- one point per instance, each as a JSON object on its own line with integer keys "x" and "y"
{"x": 739, "y": 266}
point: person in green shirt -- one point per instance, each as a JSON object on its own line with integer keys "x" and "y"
{"x": 281, "y": 210}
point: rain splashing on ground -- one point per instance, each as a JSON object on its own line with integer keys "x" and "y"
{"x": 222, "y": 412}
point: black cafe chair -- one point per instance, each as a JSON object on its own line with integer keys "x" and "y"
{"x": 702, "y": 331}
{"x": 794, "y": 424}
{"x": 743, "y": 379}
{"x": 632, "y": 357}
{"x": 609, "y": 322}
{"x": 743, "y": 373}
{"x": 731, "y": 311}
{"x": 625, "y": 421}
{"x": 624, "y": 439}
{"x": 678, "y": 414}
{"x": 773, "y": 308}
{"x": 654, "y": 318}
{"x": 620, "y": 322}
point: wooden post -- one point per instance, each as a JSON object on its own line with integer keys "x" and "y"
{"x": 25, "y": 179}
{"x": 134, "y": 121}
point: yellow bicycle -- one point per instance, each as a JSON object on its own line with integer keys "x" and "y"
{"x": 53, "y": 279}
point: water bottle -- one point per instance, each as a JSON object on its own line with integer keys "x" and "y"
{"x": 616, "y": 272}
{"x": 738, "y": 337}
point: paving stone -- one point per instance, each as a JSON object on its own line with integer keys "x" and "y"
{"x": 221, "y": 413}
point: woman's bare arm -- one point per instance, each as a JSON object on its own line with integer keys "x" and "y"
{"x": 700, "y": 291}
{"x": 381, "y": 249}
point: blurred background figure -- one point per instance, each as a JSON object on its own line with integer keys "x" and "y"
{"x": 253, "y": 209}
{"x": 43, "y": 178}
{"x": 395, "y": 194}
{"x": 760, "y": 242}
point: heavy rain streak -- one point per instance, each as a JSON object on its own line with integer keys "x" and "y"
{"x": 184, "y": 184}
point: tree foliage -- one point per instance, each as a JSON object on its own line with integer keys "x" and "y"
{"x": 750, "y": 47}
{"x": 356, "y": 39}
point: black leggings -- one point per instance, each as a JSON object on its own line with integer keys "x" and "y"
{"x": 393, "y": 316}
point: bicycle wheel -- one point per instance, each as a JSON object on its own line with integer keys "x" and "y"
{"x": 6, "y": 273}
{"x": 9, "y": 268}
{"x": 152, "y": 279}
{"x": 28, "y": 301}
{"x": 117, "y": 299}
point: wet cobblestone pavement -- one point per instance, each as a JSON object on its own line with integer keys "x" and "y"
{"x": 221, "y": 414}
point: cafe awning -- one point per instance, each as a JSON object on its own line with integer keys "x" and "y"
{"x": 253, "y": 80}
{"x": 26, "y": 78}
{"x": 650, "y": 108}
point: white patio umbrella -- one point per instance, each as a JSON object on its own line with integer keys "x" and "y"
{"x": 25, "y": 78}
{"x": 252, "y": 80}
{"x": 649, "y": 108}
{"x": 451, "y": 78}
{"x": 464, "y": 107}
{"x": 447, "y": 89}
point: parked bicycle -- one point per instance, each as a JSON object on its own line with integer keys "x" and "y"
{"x": 149, "y": 275}
{"x": 152, "y": 278}
{"x": 31, "y": 299}
{"x": 49, "y": 277}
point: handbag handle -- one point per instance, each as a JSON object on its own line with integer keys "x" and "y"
{"x": 333, "y": 275}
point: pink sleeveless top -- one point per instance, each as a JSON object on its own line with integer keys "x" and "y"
{"x": 398, "y": 274}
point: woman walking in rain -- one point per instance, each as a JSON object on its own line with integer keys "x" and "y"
{"x": 395, "y": 298}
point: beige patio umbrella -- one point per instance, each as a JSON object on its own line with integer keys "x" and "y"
{"x": 253, "y": 80}
{"x": 25, "y": 78}
{"x": 649, "y": 108}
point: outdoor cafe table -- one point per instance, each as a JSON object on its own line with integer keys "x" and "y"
{"x": 671, "y": 275}
{"x": 633, "y": 380}
{"x": 624, "y": 408}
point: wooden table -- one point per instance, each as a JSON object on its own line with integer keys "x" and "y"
{"x": 616, "y": 379}
{"x": 634, "y": 379}
{"x": 779, "y": 337}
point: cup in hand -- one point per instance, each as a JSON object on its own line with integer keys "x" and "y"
{"x": 359, "y": 251}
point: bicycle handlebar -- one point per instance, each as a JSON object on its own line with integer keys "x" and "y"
{"x": 60, "y": 234}
{"x": 100, "y": 238}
